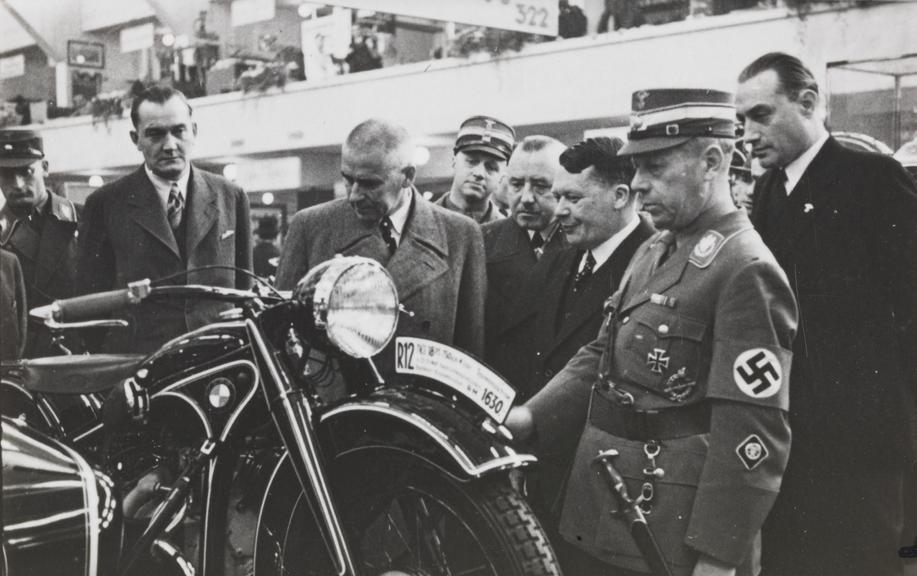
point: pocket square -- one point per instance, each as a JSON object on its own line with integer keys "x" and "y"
{"x": 227, "y": 234}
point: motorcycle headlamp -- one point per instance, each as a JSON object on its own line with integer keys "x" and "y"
{"x": 355, "y": 301}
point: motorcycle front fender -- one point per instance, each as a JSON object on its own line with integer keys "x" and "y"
{"x": 404, "y": 419}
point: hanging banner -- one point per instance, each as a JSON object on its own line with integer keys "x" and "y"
{"x": 250, "y": 11}
{"x": 532, "y": 16}
{"x": 323, "y": 40}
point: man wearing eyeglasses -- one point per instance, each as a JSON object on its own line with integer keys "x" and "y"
{"x": 40, "y": 228}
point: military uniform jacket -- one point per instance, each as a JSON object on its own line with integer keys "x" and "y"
{"x": 53, "y": 267}
{"x": 847, "y": 239}
{"x": 438, "y": 268}
{"x": 125, "y": 236}
{"x": 510, "y": 259}
{"x": 710, "y": 331}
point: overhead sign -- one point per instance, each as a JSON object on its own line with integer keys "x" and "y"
{"x": 270, "y": 174}
{"x": 13, "y": 66}
{"x": 137, "y": 38}
{"x": 532, "y": 16}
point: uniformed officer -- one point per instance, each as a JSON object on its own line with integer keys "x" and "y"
{"x": 39, "y": 227}
{"x": 688, "y": 377}
{"x": 482, "y": 148}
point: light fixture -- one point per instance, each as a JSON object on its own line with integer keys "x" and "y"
{"x": 95, "y": 181}
{"x": 231, "y": 172}
{"x": 168, "y": 39}
{"x": 421, "y": 155}
{"x": 267, "y": 198}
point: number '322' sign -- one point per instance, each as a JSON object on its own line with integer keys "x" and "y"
{"x": 458, "y": 370}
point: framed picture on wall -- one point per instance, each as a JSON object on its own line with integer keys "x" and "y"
{"x": 85, "y": 54}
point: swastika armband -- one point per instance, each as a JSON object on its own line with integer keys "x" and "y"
{"x": 744, "y": 372}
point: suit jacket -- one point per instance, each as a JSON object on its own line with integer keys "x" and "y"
{"x": 846, "y": 240}
{"x": 438, "y": 268}
{"x": 510, "y": 259}
{"x": 52, "y": 270}
{"x": 535, "y": 343}
{"x": 13, "y": 307}
{"x": 125, "y": 236}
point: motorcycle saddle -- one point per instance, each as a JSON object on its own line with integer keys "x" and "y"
{"x": 73, "y": 374}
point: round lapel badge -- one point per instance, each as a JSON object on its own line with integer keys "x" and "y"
{"x": 220, "y": 393}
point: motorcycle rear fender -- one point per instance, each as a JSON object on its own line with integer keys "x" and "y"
{"x": 464, "y": 445}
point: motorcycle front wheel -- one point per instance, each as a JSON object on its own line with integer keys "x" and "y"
{"x": 404, "y": 517}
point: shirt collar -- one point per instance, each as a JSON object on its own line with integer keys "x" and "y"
{"x": 603, "y": 251}
{"x": 795, "y": 169}
{"x": 163, "y": 186}
{"x": 400, "y": 216}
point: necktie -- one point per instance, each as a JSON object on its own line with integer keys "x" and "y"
{"x": 537, "y": 241}
{"x": 585, "y": 272}
{"x": 385, "y": 225}
{"x": 665, "y": 246}
{"x": 175, "y": 206}
{"x": 780, "y": 183}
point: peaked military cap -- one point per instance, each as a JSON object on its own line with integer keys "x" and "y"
{"x": 486, "y": 134}
{"x": 668, "y": 117}
{"x": 20, "y": 148}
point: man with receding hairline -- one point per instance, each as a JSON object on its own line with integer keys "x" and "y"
{"x": 842, "y": 225}
{"x": 435, "y": 256}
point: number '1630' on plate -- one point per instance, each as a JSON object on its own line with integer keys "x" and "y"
{"x": 459, "y": 371}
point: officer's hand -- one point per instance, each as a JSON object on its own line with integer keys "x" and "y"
{"x": 709, "y": 566}
{"x": 520, "y": 423}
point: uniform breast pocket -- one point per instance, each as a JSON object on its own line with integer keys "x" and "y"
{"x": 661, "y": 350}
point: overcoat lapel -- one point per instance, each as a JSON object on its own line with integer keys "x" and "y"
{"x": 53, "y": 238}
{"x": 202, "y": 211}
{"x": 422, "y": 256}
{"x": 812, "y": 196}
{"x": 145, "y": 208}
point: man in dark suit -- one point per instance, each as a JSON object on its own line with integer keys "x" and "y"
{"x": 482, "y": 147}
{"x": 560, "y": 308}
{"x": 513, "y": 245}
{"x": 40, "y": 228}
{"x": 841, "y": 224}
{"x": 435, "y": 256}
{"x": 163, "y": 221}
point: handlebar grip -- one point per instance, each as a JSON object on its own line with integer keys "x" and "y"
{"x": 99, "y": 304}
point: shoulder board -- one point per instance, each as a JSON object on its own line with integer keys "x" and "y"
{"x": 709, "y": 246}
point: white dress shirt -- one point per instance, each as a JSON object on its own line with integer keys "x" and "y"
{"x": 795, "y": 169}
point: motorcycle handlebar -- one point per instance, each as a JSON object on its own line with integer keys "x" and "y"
{"x": 100, "y": 304}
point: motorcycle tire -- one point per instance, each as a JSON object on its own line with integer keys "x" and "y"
{"x": 405, "y": 517}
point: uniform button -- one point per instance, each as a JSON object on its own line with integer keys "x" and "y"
{"x": 537, "y": 353}
{"x": 663, "y": 328}
{"x": 625, "y": 319}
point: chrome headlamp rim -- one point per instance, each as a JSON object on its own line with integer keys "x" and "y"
{"x": 325, "y": 288}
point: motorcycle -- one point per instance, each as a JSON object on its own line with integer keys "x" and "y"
{"x": 224, "y": 453}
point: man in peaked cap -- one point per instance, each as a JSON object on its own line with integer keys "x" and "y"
{"x": 688, "y": 377}
{"x": 37, "y": 226}
{"x": 482, "y": 148}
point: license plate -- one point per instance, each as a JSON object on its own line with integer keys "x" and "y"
{"x": 459, "y": 371}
